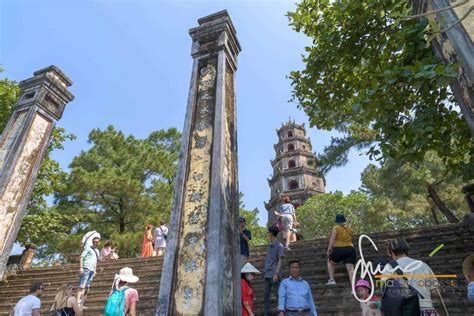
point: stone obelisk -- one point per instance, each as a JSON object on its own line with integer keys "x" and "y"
{"x": 22, "y": 147}
{"x": 201, "y": 268}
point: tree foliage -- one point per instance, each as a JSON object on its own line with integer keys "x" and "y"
{"x": 259, "y": 233}
{"x": 370, "y": 74}
{"x": 9, "y": 92}
{"x": 119, "y": 185}
{"x": 402, "y": 189}
{"x": 318, "y": 213}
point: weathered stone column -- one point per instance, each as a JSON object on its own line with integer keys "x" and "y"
{"x": 22, "y": 147}
{"x": 201, "y": 269}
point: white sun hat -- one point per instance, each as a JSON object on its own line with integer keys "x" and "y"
{"x": 249, "y": 268}
{"x": 126, "y": 275}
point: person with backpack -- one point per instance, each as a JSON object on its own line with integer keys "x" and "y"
{"x": 87, "y": 266}
{"x": 341, "y": 248}
{"x": 122, "y": 298}
{"x": 161, "y": 234}
{"x": 407, "y": 295}
{"x": 65, "y": 304}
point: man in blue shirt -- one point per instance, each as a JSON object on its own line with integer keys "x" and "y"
{"x": 272, "y": 269}
{"x": 294, "y": 295}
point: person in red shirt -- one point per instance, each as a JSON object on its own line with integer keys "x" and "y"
{"x": 247, "y": 274}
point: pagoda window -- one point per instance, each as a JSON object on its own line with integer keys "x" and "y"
{"x": 293, "y": 185}
{"x": 291, "y": 147}
{"x": 291, "y": 164}
{"x": 290, "y": 134}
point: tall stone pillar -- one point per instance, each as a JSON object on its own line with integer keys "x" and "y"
{"x": 201, "y": 268}
{"x": 22, "y": 147}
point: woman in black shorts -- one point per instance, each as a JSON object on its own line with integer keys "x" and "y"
{"x": 341, "y": 248}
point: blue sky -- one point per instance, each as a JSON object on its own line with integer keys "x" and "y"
{"x": 130, "y": 65}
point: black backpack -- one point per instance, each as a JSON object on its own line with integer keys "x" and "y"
{"x": 398, "y": 299}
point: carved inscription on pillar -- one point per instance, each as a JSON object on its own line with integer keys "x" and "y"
{"x": 10, "y": 135}
{"x": 192, "y": 259}
{"x": 229, "y": 172}
{"x": 15, "y": 188}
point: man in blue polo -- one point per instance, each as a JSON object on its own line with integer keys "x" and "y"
{"x": 294, "y": 295}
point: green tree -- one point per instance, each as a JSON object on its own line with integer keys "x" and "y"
{"x": 317, "y": 214}
{"x": 415, "y": 193}
{"x": 371, "y": 75}
{"x": 119, "y": 185}
{"x": 9, "y": 92}
{"x": 259, "y": 233}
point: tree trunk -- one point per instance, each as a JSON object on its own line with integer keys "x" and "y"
{"x": 440, "y": 204}
{"x": 122, "y": 225}
{"x": 435, "y": 217}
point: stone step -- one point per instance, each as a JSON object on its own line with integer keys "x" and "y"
{"x": 73, "y": 273}
{"x": 74, "y": 279}
{"x": 114, "y": 265}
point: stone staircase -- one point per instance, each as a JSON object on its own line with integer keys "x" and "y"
{"x": 148, "y": 269}
{"x": 330, "y": 300}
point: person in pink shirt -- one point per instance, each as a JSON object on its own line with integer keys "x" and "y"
{"x": 122, "y": 280}
{"x": 108, "y": 252}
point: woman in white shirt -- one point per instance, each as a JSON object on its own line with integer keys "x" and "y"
{"x": 161, "y": 234}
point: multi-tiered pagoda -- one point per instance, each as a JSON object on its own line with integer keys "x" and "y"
{"x": 294, "y": 169}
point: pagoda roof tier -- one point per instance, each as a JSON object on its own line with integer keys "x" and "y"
{"x": 291, "y": 172}
{"x": 306, "y": 140}
{"x": 291, "y": 123}
{"x": 292, "y": 153}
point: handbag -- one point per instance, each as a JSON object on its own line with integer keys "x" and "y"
{"x": 163, "y": 234}
{"x": 58, "y": 312}
{"x": 279, "y": 224}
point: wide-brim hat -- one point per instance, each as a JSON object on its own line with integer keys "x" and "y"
{"x": 340, "y": 219}
{"x": 249, "y": 268}
{"x": 468, "y": 266}
{"x": 126, "y": 275}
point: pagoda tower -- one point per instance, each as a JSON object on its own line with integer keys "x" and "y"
{"x": 294, "y": 169}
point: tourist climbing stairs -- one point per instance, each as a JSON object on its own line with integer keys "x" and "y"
{"x": 330, "y": 299}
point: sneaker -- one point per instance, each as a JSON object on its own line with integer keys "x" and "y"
{"x": 287, "y": 248}
{"x": 331, "y": 282}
